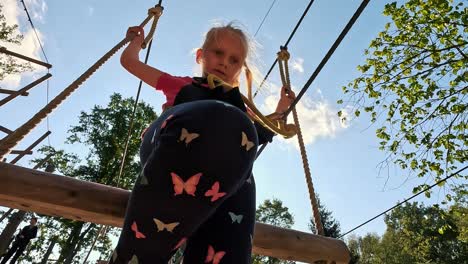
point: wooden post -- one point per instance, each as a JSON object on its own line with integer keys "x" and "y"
{"x": 24, "y": 89}
{"x": 63, "y": 196}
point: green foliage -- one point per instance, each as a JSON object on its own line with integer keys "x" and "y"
{"x": 104, "y": 131}
{"x": 331, "y": 227}
{"x": 274, "y": 213}
{"x": 415, "y": 82}
{"x": 416, "y": 234}
{"x": 429, "y": 231}
{"x": 9, "y": 34}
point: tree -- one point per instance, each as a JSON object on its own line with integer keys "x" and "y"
{"x": 459, "y": 212}
{"x": 274, "y": 213}
{"x": 364, "y": 250}
{"x": 415, "y": 77}
{"x": 104, "y": 131}
{"x": 10, "y": 34}
{"x": 415, "y": 234}
{"x": 331, "y": 227}
{"x": 9, "y": 65}
{"x": 429, "y": 234}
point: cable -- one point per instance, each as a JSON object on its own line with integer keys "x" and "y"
{"x": 35, "y": 32}
{"x": 45, "y": 57}
{"x": 268, "y": 12}
{"x": 406, "y": 200}
{"x": 47, "y": 102}
{"x": 132, "y": 119}
{"x": 286, "y": 44}
{"x": 329, "y": 54}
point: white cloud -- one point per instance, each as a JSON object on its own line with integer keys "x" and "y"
{"x": 90, "y": 10}
{"x": 298, "y": 65}
{"x": 14, "y": 14}
{"x": 318, "y": 119}
{"x": 37, "y": 9}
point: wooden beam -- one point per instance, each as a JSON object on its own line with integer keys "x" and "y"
{"x": 5, "y": 130}
{"x": 56, "y": 195}
{"x": 6, "y": 91}
{"x": 24, "y": 89}
{"x": 30, "y": 148}
{"x": 17, "y": 55}
{"x": 21, "y": 152}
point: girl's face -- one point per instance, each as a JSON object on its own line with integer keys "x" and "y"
{"x": 223, "y": 57}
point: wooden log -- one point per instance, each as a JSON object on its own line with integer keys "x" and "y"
{"x": 56, "y": 195}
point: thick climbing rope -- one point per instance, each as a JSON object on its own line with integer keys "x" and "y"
{"x": 283, "y": 57}
{"x": 155, "y": 12}
{"x": 10, "y": 141}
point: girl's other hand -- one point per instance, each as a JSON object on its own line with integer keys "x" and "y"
{"x": 286, "y": 99}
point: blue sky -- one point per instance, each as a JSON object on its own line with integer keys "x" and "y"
{"x": 343, "y": 158}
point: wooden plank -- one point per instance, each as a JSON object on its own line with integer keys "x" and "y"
{"x": 17, "y": 55}
{"x": 24, "y": 89}
{"x": 30, "y": 148}
{"x": 6, "y": 91}
{"x": 21, "y": 152}
{"x": 5, "y": 130}
{"x": 56, "y": 195}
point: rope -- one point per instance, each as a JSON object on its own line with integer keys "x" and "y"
{"x": 132, "y": 120}
{"x": 155, "y": 12}
{"x": 10, "y": 141}
{"x": 283, "y": 57}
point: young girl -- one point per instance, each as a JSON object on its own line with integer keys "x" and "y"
{"x": 196, "y": 185}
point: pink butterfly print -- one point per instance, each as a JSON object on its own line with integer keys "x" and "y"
{"x": 214, "y": 257}
{"x": 190, "y": 186}
{"x": 214, "y": 192}
{"x": 138, "y": 234}
{"x": 181, "y": 242}
{"x": 165, "y": 121}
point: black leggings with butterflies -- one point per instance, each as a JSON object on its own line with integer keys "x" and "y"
{"x": 195, "y": 188}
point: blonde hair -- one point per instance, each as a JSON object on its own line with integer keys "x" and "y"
{"x": 248, "y": 44}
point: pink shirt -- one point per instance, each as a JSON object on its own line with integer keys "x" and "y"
{"x": 171, "y": 86}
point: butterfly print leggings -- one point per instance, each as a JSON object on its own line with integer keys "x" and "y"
{"x": 195, "y": 188}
